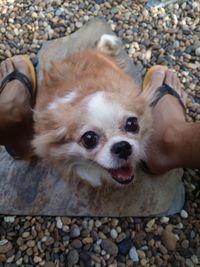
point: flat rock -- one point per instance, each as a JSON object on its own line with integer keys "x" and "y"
{"x": 27, "y": 189}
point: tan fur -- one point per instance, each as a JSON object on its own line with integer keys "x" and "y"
{"x": 86, "y": 73}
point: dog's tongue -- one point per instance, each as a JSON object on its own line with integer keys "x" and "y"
{"x": 123, "y": 174}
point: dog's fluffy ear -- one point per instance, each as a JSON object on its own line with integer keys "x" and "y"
{"x": 109, "y": 45}
{"x": 48, "y": 132}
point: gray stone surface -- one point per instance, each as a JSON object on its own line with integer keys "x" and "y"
{"x": 37, "y": 189}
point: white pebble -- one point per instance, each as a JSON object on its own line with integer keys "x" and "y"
{"x": 37, "y": 259}
{"x": 103, "y": 252}
{"x": 16, "y": 31}
{"x": 34, "y": 15}
{"x": 10, "y": 219}
{"x": 19, "y": 262}
{"x": 133, "y": 254}
{"x": 197, "y": 51}
{"x": 164, "y": 219}
{"x": 3, "y": 30}
{"x": 179, "y": 226}
{"x": 9, "y": 260}
{"x": 44, "y": 239}
{"x": 59, "y": 223}
{"x": 86, "y": 17}
{"x": 79, "y": 24}
{"x": 113, "y": 233}
{"x": 50, "y": 33}
{"x": 150, "y": 223}
{"x": 184, "y": 214}
{"x": 97, "y": 223}
{"x": 177, "y": 237}
{"x": 148, "y": 54}
{"x": 194, "y": 259}
{"x": 3, "y": 242}
{"x": 99, "y": 241}
{"x": 189, "y": 263}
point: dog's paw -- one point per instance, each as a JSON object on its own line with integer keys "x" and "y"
{"x": 109, "y": 44}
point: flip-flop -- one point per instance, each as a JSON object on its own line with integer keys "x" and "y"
{"x": 162, "y": 90}
{"x": 29, "y": 83}
{"x": 159, "y": 93}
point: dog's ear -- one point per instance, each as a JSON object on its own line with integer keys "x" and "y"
{"x": 109, "y": 45}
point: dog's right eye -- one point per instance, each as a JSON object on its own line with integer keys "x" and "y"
{"x": 90, "y": 140}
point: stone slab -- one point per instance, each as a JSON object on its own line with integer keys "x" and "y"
{"x": 37, "y": 189}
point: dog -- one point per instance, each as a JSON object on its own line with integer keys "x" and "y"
{"x": 91, "y": 121}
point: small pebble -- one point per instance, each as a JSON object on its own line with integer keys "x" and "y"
{"x": 164, "y": 219}
{"x": 79, "y": 24}
{"x": 150, "y": 223}
{"x": 125, "y": 246}
{"x": 73, "y": 257}
{"x": 197, "y": 51}
{"x": 169, "y": 240}
{"x": 109, "y": 246}
{"x": 37, "y": 259}
{"x": 59, "y": 223}
{"x": 184, "y": 214}
{"x": 195, "y": 259}
{"x": 113, "y": 233}
{"x": 74, "y": 231}
{"x": 5, "y": 246}
{"x": 133, "y": 255}
{"x": 185, "y": 244}
{"x": 189, "y": 263}
{"x": 9, "y": 219}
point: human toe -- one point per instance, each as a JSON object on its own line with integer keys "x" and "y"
{"x": 20, "y": 64}
{"x": 154, "y": 78}
{"x": 6, "y": 67}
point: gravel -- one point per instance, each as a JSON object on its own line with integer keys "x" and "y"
{"x": 169, "y": 35}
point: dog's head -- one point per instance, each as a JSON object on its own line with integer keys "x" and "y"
{"x": 98, "y": 136}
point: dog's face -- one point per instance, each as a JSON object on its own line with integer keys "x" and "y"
{"x": 99, "y": 136}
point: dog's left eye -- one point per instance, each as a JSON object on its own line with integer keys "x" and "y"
{"x": 132, "y": 125}
{"x": 90, "y": 139}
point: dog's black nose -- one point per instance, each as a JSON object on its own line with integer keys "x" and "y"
{"x": 122, "y": 149}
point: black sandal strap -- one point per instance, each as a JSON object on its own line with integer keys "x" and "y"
{"x": 16, "y": 75}
{"x": 164, "y": 90}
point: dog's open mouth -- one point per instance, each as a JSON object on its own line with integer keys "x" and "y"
{"x": 122, "y": 175}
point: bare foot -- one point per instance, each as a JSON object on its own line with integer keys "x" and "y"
{"x": 15, "y": 109}
{"x": 168, "y": 114}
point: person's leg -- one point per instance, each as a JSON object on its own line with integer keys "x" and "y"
{"x": 15, "y": 109}
{"x": 175, "y": 142}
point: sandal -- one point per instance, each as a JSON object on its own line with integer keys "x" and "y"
{"x": 162, "y": 90}
{"x": 29, "y": 83}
